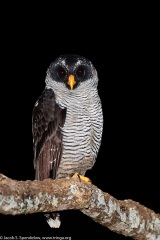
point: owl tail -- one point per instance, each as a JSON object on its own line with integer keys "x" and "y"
{"x": 53, "y": 219}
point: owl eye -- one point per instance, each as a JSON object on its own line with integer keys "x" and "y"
{"x": 80, "y": 71}
{"x": 61, "y": 72}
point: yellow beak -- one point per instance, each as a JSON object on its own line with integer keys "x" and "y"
{"x": 71, "y": 82}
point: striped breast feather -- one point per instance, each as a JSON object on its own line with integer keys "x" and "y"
{"x": 82, "y": 131}
{"x": 47, "y": 118}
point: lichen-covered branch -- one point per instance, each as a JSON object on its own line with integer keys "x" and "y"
{"x": 124, "y": 217}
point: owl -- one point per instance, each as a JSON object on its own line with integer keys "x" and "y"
{"x": 67, "y": 122}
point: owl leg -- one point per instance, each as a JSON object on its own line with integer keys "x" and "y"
{"x": 81, "y": 178}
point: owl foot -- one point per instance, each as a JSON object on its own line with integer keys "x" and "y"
{"x": 81, "y": 178}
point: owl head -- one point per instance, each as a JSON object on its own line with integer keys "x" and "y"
{"x": 71, "y": 71}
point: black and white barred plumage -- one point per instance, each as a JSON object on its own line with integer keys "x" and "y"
{"x": 67, "y": 122}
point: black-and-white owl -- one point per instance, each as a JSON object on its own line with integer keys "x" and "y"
{"x": 67, "y": 122}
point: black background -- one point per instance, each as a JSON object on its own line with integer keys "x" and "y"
{"x": 122, "y": 47}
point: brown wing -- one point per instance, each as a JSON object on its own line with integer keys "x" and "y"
{"x": 47, "y": 120}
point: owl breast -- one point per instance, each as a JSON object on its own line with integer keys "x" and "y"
{"x": 82, "y": 134}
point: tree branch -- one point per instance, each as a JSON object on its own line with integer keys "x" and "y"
{"x": 124, "y": 217}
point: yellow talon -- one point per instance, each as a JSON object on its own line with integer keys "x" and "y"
{"x": 83, "y": 178}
